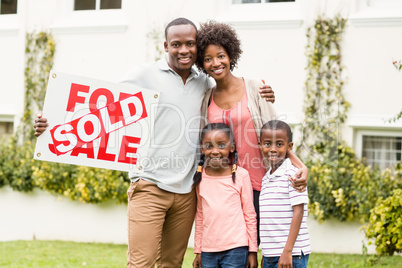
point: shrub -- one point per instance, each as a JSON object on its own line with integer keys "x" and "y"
{"x": 54, "y": 177}
{"x": 16, "y": 165}
{"x": 94, "y": 185}
{"x": 85, "y": 184}
{"x": 343, "y": 187}
{"x": 385, "y": 224}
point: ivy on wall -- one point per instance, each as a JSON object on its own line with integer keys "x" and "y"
{"x": 325, "y": 106}
{"x": 16, "y": 152}
{"x": 39, "y": 54}
{"x": 155, "y": 39}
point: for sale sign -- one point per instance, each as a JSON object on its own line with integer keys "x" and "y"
{"x": 96, "y": 123}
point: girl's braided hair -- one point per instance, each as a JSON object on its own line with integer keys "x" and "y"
{"x": 232, "y": 156}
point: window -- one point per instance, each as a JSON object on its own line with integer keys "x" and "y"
{"x": 9, "y": 19}
{"x": 382, "y": 151}
{"x": 90, "y": 16}
{"x": 6, "y": 128}
{"x": 259, "y": 1}
{"x": 96, "y": 4}
{"x": 384, "y": 3}
{"x": 261, "y": 14}
{"x": 8, "y": 6}
{"x": 377, "y": 13}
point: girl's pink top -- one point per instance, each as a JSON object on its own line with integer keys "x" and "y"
{"x": 239, "y": 119}
{"x": 225, "y": 217}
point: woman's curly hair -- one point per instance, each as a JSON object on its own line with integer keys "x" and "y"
{"x": 220, "y": 34}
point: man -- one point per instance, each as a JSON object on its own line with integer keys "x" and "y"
{"x": 161, "y": 201}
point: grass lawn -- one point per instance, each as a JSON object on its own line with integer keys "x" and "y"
{"x": 70, "y": 254}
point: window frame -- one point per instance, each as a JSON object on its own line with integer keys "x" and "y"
{"x": 9, "y": 23}
{"x": 12, "y": 127}
{"x": 7, "y": 114}
{"x": 367, "y": 132}
{"x": 89, "y": 21}
{"x": 236, "y": 2}
{"x": 261, "y": 15}
{"x": 16, "y": 11}
{"x": 371, "y": 125}
{"x": 98, "y": 6}
{"x": 371, "y": 13}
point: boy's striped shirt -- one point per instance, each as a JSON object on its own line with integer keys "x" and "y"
{"x": 276, "y": 200}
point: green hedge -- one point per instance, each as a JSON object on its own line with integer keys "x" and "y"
{"x": 385, "y": 224}
{"x": 21, "y": 172}
{"x": 16, "y": 164}
{"x": 343, "y": 187}
{"x": 88, "y": 185}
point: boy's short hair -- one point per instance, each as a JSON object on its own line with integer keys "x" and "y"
{"x": 278, "y": 125}
{"x": 179, "y": 21}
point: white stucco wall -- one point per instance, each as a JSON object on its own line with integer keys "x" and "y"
{"x": 39, "y": 215}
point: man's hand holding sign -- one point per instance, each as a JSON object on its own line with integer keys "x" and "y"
{"x": 96, "y": 123}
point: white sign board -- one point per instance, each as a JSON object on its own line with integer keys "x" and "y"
{"x": 96, "y": 123}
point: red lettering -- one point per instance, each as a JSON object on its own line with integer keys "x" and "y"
{"x": 89, "y": 127}
{"x": 52, "y": 148}
{"x": 93, "y": 100}
{"x": 64, "y": 138}
{"x": 115, "y": 113}
{"x": 87, "y": 149}
{"x": 123, "y": 95}
{"x": 133, "y": 108}
{"x": 98, "y": 123}
{"x": 102, "y": 154}
{"x": 127, "y": 148}
{"x": 74, "y": 98}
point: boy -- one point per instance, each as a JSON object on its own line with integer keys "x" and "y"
{"x": 283, "y": 210}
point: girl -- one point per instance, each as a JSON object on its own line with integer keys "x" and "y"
{"x": 225, "y": 223}
{"x": 236, "y": 102}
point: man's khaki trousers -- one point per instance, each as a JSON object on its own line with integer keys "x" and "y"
{"x": 159, "y": 225}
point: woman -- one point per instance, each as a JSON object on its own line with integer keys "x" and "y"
{"x": 236, "y": 101}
